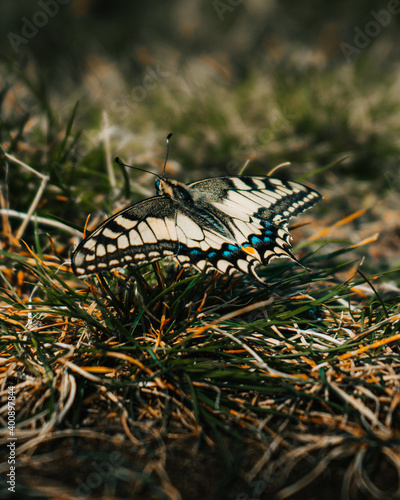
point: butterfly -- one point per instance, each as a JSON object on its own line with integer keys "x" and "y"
{"x": 226, "y": 223}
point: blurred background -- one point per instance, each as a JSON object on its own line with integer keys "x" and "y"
{"x": 310, "y": 83}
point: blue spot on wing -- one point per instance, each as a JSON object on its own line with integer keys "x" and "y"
{"x": 254, "y": 240}
{"x": 195, "y": 252}
{"x": 230, "y": 249}
{"x": 260, "y": 239}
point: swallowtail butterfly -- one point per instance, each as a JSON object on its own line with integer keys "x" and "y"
{"x": 225, "y": 223}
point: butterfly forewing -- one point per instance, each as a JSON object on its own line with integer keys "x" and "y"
{"x": 226, "y": 223}
{"x": 257, "y": 197}
{"x": 140, "y": 234}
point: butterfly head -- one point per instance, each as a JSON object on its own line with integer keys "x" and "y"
{"x": 174, "y": 189}
{"x": 164, "y": 187}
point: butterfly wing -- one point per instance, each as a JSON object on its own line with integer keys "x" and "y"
{"x": 140, "y": 234}
{"x": 256, "y": 210}
{"x": 261, "y": 198}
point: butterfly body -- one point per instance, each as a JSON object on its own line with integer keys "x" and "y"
{"x": 225, "y": 223}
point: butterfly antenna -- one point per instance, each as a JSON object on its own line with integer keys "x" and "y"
{"x": 117, "y": 160}
{"x": 166, "y": 155}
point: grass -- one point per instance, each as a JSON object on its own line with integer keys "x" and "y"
{"x": 159, "y": 383}
{"x": 212, "y": 357}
